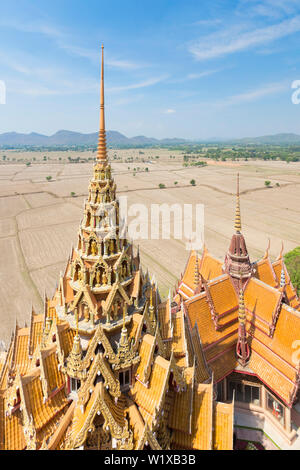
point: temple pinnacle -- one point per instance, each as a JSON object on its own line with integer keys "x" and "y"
{"x": 102, "y": 152}
{"x": 237, "y": 222}
{"x": 242, "y": 315}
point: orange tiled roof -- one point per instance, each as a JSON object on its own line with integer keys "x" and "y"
{"x": 271, "y": 377}
{"x": 148, "y": 398}
{"x": 178, "y": 343}
{"x": 13, "y": 432}
{"x": 210, "y": 267}
{"x": 116, "y": 410}
{"x": 265, "y": 272}
{"x": 134, "y": 326}
{"x": 202, "y": 373}
{"x": 223, "y": 294}
{"x": 144, "y": 352}
{"x": 261, "y": 302}
{"x": 201, "y": 435}
{"x": 164, "y": 320}
{"x": 66, "y": 337}
{"x": 42, "y": 412}
{"x": 180, "y": 421}
{"x": 54, "y": 376}
{"x": 36, "y": 332}
{"x": 223, "y": 418}
{"x": 21, "y": 358}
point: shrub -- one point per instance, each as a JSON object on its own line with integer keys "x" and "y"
{"x": 193, "y": 182}
{"x": 48, "y": 178}
{"x": 292, "y": 261}
{"x": 161, "y": 185}
{"x": 267, "y": 183}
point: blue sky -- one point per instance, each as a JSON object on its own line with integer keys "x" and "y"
{"x": 173, "y": 68}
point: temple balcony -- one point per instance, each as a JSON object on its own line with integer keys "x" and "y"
{"x": 96, "y": 257}
{"x": 77, "y": 285}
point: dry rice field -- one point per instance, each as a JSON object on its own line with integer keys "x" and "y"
{"x": 39, "y": 219}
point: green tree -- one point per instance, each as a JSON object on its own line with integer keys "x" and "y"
{"x": 161, "y": 185}
{"x": 48, "y": 178}
{"x": 292, "y": 262}
{"x": 267, "y": 183}
{"x": 72, "y": 193}
{"x": 193, "y": 182}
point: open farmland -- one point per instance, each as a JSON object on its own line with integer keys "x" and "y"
{"x": 39, "y": 218}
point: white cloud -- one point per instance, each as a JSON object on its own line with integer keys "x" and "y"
{"x": 169, "y": 111}
{"x": 133, "y": 86}
{"x": 268, "y": 8}
{"x": 232, "y": 40}
{"x": 64, "y": 41}
{"x": 253, "y": 95}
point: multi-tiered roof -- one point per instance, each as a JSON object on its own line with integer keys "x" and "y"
{"x": 108, "y": 365}
{"x": 247, "y": 315}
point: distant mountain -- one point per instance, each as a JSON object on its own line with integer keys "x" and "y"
{"x": 275, "y": 139}
{"x": 115, "y": 138}
{"x": 68, "y": 138}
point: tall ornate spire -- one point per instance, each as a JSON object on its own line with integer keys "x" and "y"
{"x": 102, "y": 152}
{"x": 242, "y": 347}
{"x": 237, "y": 262}
{"x": 237, "y": 222}
{"x": 73, "y": 366}
{"x": 125, "y": 355}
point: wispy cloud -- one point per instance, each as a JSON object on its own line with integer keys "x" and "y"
{"x": 36, "y": 27}
{"x": 169, "y": 111}
{"x": 66, "y": 42}
{"x": 253, "y": 95}
{"x": 195, "y": 76}
{"x": 274, "y": 9}
{"x": 134, "y": 86}
{"x": 231, "y": 40}
{"x": 61, "y": 88}
{"x": 211, "y": 22}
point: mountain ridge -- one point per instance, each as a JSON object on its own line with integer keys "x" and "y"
{"x": 114, "y": 138}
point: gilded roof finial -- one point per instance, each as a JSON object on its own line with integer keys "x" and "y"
{"x": 151, "y": 296}
{"x": 242, "y": 315}
{"x": 124, "y": 315}
{"x": 102, "y": 152}
{"x": 242, "y": 347}
{"x": 76, "y": 320}
{"x": 237, "y": 222}
{"x": 282, "y": 277}
{"x": 196, "y": 274}
{"x": 76, "y": 351}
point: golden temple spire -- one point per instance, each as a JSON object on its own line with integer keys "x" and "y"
{"x": 242, "y": 315}
{"x": 237, "y": 222}
{"x": 242, "y": 347}
{"x": 151, "y": 296}
{"x": 102, "y": 152}
{"x": 124, "y": 315}
{"x": 76, "y": 320}
{"x": 76, "y": 350}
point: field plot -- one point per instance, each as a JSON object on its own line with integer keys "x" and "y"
{"x": 39, "y": 219}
